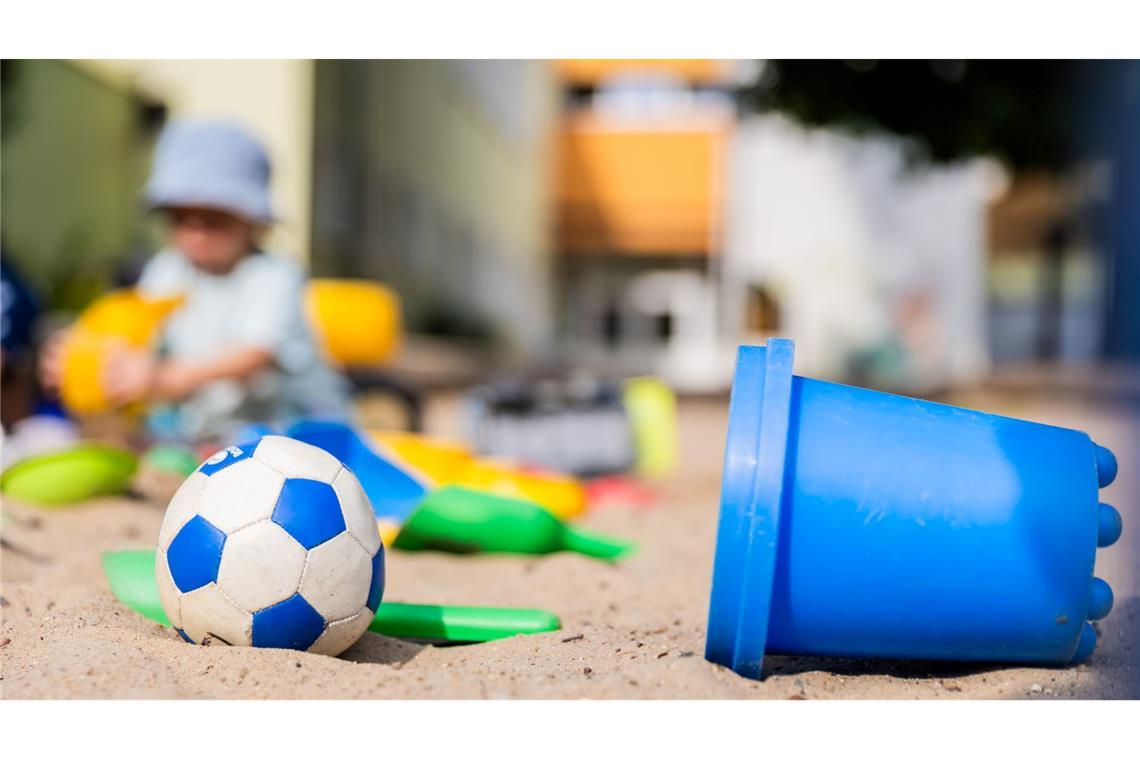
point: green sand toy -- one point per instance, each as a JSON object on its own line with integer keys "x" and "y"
{"x": 172, "y": 459}
{"x": 463, "y": 520}
{"x": 131, "y": 577}
{"x": 65, "y": 477}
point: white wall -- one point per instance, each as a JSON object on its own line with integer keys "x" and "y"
{"x": 864, "y": 254}
{"x": 273, "y": 99}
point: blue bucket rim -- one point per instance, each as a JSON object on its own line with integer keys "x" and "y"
{"x": 752, "y": 494}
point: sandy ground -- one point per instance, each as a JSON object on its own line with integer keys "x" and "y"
{"x": 635, "y": 630}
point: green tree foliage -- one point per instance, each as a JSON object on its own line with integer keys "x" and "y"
{"x": 1033, "y": 114}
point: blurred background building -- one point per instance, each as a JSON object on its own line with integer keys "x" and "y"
{"x": 434, "y": 176}
{"x": 639, "y": 208}
{"x": 912, "y": 224}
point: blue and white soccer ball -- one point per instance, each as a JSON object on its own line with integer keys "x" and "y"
{"x": 271, "y": 544}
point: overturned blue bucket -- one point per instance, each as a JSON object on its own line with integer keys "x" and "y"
{"x": 861, "y": 524}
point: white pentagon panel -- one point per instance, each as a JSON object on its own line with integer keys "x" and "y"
{"x": 337, "y": 576}
{"x": 207, "y": 612}
{"x": 168, "y": 593}
{"x": 295, "y": 459}
{"x": 240, "y": 495}
{"x": 261, "y": 566}
{"x": 359, "y": 519}
{"x": 342, "y": 634}
{"x": 181, "y": 508}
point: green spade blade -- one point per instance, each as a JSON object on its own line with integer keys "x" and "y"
{"x": 467, "y": 624}
{"x": 131, "y": 577}
{"x": 465, "y": 520}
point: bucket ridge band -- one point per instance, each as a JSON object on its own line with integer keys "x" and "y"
{"x": 752, "y": 496}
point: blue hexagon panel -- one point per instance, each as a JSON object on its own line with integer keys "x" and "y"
{"x": 226, "y": 457}
{"x": 195, "y": 553}
{"x": 376, "y": 587}
{"x": 291, "y": 624}
{"x": 309, "y": 511}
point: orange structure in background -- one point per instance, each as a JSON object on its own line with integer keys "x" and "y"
{"x": 638, "y": 191}
{"x": 635, "y": 188}
{"x": 590, "y": 71}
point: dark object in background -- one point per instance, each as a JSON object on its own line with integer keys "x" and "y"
{"x": 1022, "y": 111}
{"x": 1052, "y": 299}
{"x": 19, "y": 311}
{"x": 376, "y": 382}
{"x": 578, "y": 426}
{"x": 1119, "y": 227}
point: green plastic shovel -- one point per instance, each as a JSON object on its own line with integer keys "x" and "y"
{"x": 131, "y": 577}
{"x": 464, "y": 520}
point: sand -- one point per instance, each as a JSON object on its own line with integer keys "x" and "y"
{"x": 635, "y": 630}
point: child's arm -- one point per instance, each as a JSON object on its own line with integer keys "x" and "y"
{"x": 176, "y": 380}
{"x": 133, "y": 375}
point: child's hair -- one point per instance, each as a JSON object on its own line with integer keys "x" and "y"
{"x": 214, "y": 164}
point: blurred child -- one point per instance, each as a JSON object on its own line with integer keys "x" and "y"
{"x": 239, "y": 350}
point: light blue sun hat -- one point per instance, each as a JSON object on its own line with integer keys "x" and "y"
{"x": 211, "y": 163}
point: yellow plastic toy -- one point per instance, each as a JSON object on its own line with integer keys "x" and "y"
{"x": 438, "y": 460}
{"x": 446, "y": 463}
{"x": 561, "y": 495}
{"x": 652, "y": 410}
{"x": 127, "y": 314}
{"x": 80, "y": 386}
{"x": 358, "y": 322}
{"x": 120, "y": 318}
